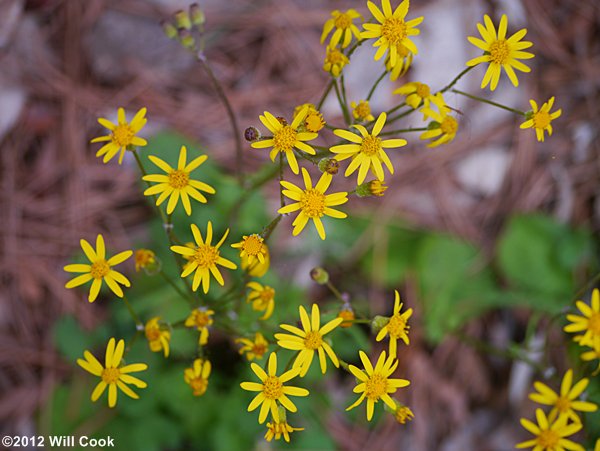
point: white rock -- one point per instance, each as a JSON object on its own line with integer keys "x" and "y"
{"x": 483, "y": 171}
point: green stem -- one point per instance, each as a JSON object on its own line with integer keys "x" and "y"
{"x": 399, "y": 116}
{"x": 489, "y": 102}
{"x": 396, "y": 108}
{"x": 266, "y": 233}
{"x": 307, "y": 157}
{"x": 335, "y": 291}
{"x": 136, "y": 318}
{"x": 281, "y": 197}
{"x": 343, "y": 106}
{"x": 174, "y": 285}
{"x": 372, "y": 91}
{"x": 453, "y": 82}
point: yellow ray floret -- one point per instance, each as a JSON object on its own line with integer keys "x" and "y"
{"x": 344, "y": 28}
{"x": 550, "y": 435}
{"x": 397, "y": 327}
{"x": 122, "y": 135}
{"x": 540, "y": 119}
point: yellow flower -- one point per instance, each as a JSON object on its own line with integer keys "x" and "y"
{"x": 262, "y": 298}
{"x": 443, "y": 127}
{"x": 419, "y": 94}
{"x": 277, "y": 429}
{"x": 271, "y": 390}
{"x": 122, "y": 135}
{"x": 253, "y": 248}
{"x": 177, "y": 183}
{"x": 500, "y": 52}
{"x": 342, "y": 22}
{"x": 313, "y": 203}
{"x": 335, "y": 61}
{"x": 286, "y": 138}
{"x": 391, "y": 30}
{"x": 366, "y": 151}
{"x": 197, "y": 376}
{"x": 397, "y": 327}
{"x": 158, "y": 337}
{"x": 257, "y": 269}
{"x": 405, "y": 58}
{"x": 564, "y": 403}
{"x": 113, "y": 375}
{"x": 362, "y": 111}
{"x": 254, "y": 349}
{"x": 541, "y": 119}
{"x": 589, "y": 323}
{"x": 550, "y": 435}
{"x": 200, "y": 318}
{"x": 309, "y": 340}
{"x": 99, "y": 270}
{"x": 375, "y": 383}
{"x": 144, "y": 258}
{"x": 402, "y": 413}
{"x": 313, "y": 122}
{"x": 593, "y": 354}
{"x": 204, "y": 258}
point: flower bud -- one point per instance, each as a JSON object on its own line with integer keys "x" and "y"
{"x": 378, "y": 323}
{"x": 372, "y": 188}
{"x": 169, "y": 29}
{"x": 402, "y": 413}
{"x": 329, "y": 165}
{"x": 251, "y": 134}
{"x": 319, "y": 275}
{"x": 186, "y": 38}
{"x": 197, "y": 15}
{"x": 182, "y": 19}
{"x": 347, "y": 313}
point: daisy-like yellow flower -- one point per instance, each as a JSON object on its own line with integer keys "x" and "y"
{"x": 391, "y": 30}
{"x": 405, "y": 58}
{"x": 366, "y": 151}
{"x": 362, "y": 111}
{"x": 262, "y": 298}
{"x": 177, "y": 183}
{"x": 286, "y": 138}
{"x": 254, "y": 349}
{"x": 309, "y": 340}
{"x": 443, "y": 127}
{"x": 589, "y": 323}
{"x": 313, "y": 203}
{"x": 550, "y": 435}
{"x": 204, "y": 258}
{"x": 256, "y": 269}
{"x": 272, "y": 392}
{"x": 252, "y": 247}
{"x": 158, "y": 336}
{"x": 144, "y": 258}
{"x": 281, "y": 428}
{"x": 375, "y": 383}
{"x": 197, "y": 376}
{"x": 201, "y": 318}
{"x": 566, "y": 402}
{"x": 122, "y": 135}
{"x": 397, "y": 327}
{"x": 500, "y": 52}
{"x": 419, "y": 94}
{"x": 335, "y": 60}
{"x": 313, "y": 122}
{"x": 342, "y": 22}
{"x": 112, "y": 374}
{"x": 541, "y": 119}
{"x": 99, "y": 270}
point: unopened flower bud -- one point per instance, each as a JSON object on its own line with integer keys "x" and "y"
{"x": 378, "y": 323}
{"x": 372, "y": 188}
{"x": 402, "y": 412}
{"x": 319, "y": 275}
{"x": 182, "y": 19}
{"x": 347, "y": 313}
{"x": 196, "y": 14}
{"x": 251, "y": 134}
{"x": 329, "y": 165}
{"x": 169, "y": 29}
{"x": 186, "y": 38}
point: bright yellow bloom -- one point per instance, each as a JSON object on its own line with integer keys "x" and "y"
{"x": 397, "y": 327}
{"x": 277, "y": 429}
{"x": 313, "y": 203}
{"x": 122, "y": 135}
{"x": 589, "y": 323}
{"x": 405, "y": 58}
{"x": 342, "y": 22}
{"x": 550, "y": 435}
{"x": 144, "y": 258}
{"x": 200, "y": 318}
{"x": 335, "y": 61}
{"x": 257, "y": 269}
{"x": 499, "y": 52}
{"x": 204, "y": 258}
{"x": 286, "y": 138}
{"x": 366, "y": 151}
{"x": 262, "y": 298}
{"x": 564, "y": 403}
{"x": 375, "y": 383}
{"x": 391, "y": 30}
{"x": 113, "y": 375}
{"x": 253, "y": 248}
{"x": 309, "y": 340}
{"x": 402, "y": 413}
{"x": 419, "y": 94}
{"x": 271, "y": 390}
{"x": 313, "y": 122}
{"x": 362, "y": 111}
{"x": 540, "y": 119}
{"x": 443, "y": 127}
{"x": 254, "y": 349}
{"x": 197, "y": 376}
{"x": 158, "y": 336}
{"x": 177, "y": 183}
{"x": 99, "y": 270}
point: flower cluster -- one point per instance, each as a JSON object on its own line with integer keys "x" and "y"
{"x": 587, "y": 328}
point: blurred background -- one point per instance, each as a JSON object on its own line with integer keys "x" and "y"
{"x": 488, "y": 238}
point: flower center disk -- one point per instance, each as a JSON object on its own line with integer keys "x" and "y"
{"x": 313, "y": 203}
{"x": 206, "y": 255}
{"x": 110, "y": 375}
{"x": 541, "y": 119}
{"x": 313, "y": 340}
{"x": 179, "y": 179}
{"x": 376, "y": 387}
{"x": 449, "y": 126}
{"x": 396, "y": 326}
{"x": 100, "y": 269}
{"x": 343, "y": 21}
{"x": 548, "y": 439}
{"x": 594, "y": 323}
{"x": 370, "y": 146}
{"x": 423, "y": 90}
{"x": 285, "y": 138}
{"x": 499, "y": 52}
{"x": 394, "y": 30}
{"x": 253, "y": 245}
{"x": 272, "y": 388}
{"x": 122, "y": 135}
